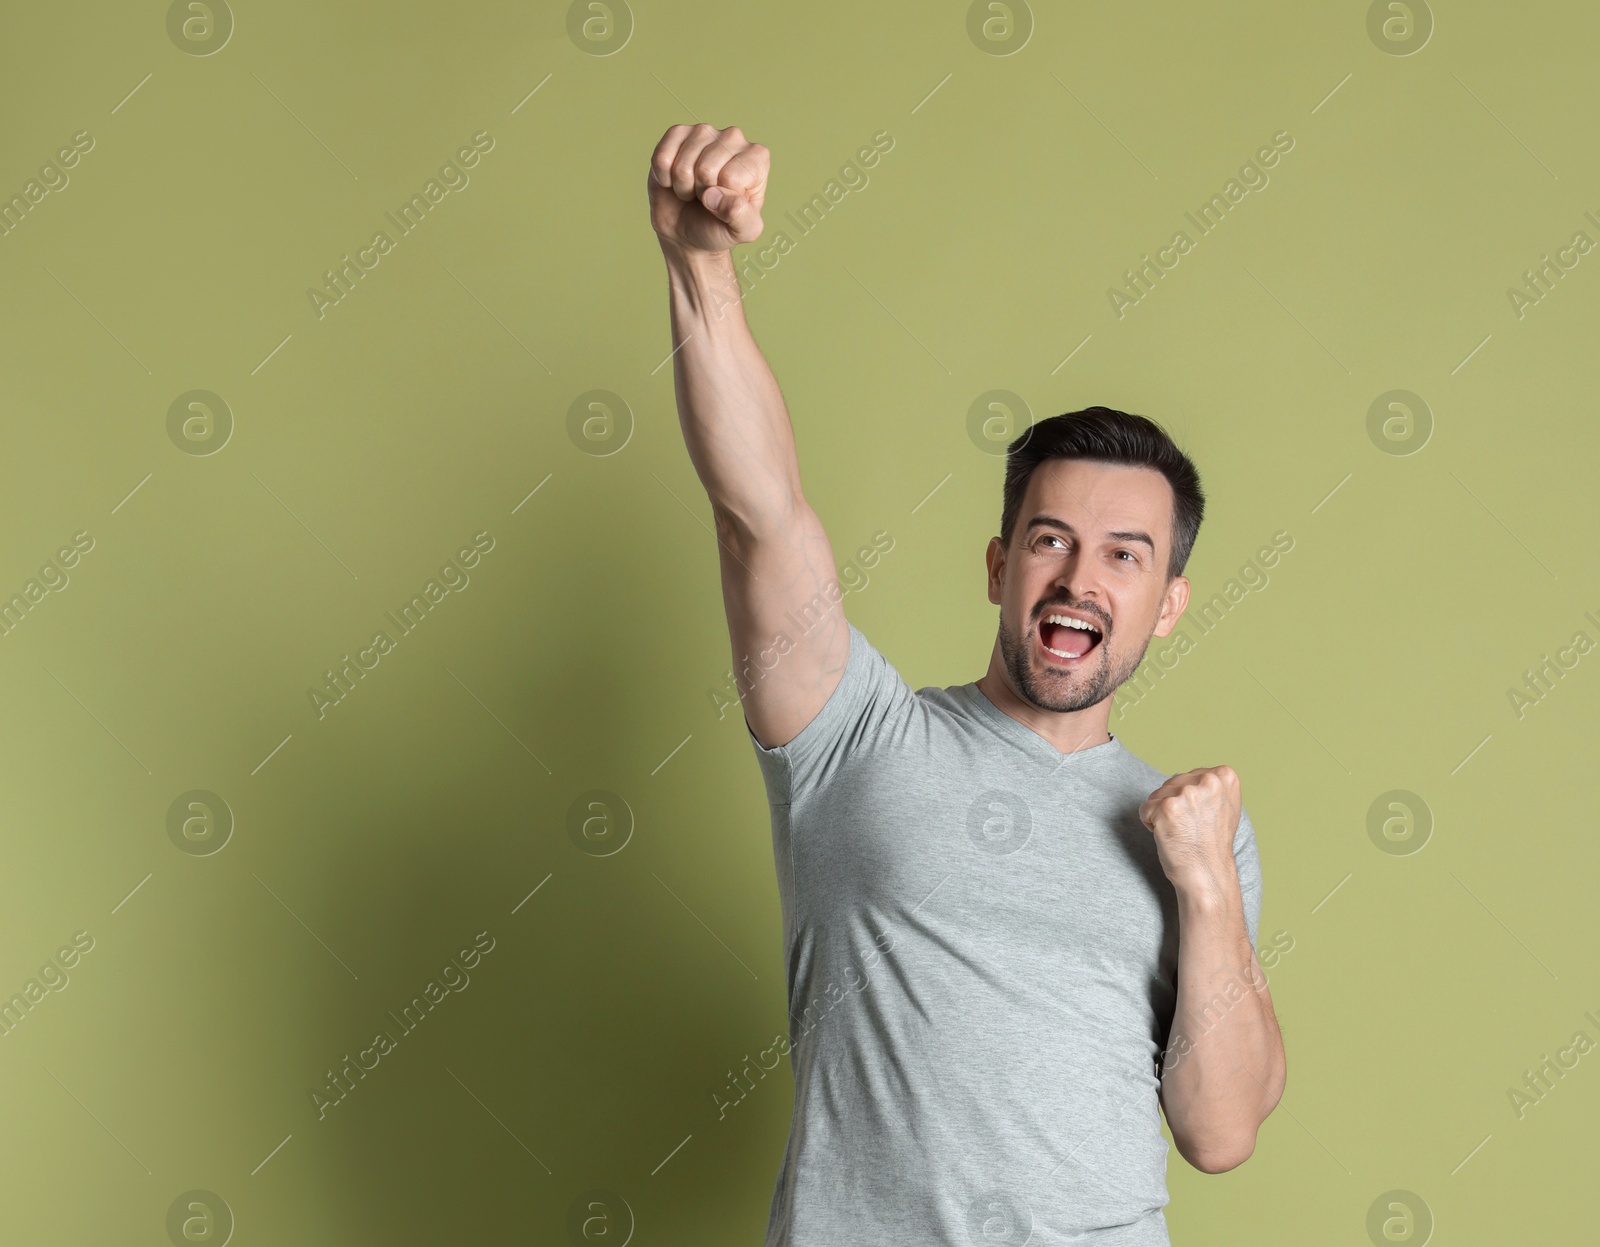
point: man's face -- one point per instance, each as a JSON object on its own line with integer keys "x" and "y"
{"x": 1091, "y": 544}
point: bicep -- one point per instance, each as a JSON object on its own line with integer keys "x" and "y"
{"x": 785, "y": 621}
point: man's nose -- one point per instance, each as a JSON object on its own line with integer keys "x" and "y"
{"x": 1075, "y": 580}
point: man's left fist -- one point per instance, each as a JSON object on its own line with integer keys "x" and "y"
{"x": 1194, "y": 817}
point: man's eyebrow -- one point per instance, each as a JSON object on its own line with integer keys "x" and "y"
{"x": 1050, "y": 521}
{"x": 1134, "y": 536}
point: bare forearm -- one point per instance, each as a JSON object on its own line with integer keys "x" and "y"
{"x": 730, "y": 408}
{"x": 779, "y": 589}
{"x": 1224, "y": 1069}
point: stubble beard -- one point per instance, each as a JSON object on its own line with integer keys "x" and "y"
{"x": 1063, "y": 691}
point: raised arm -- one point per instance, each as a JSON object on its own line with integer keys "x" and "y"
{"x": 779, "y": 586}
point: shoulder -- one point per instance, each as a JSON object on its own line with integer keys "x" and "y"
{"x": 871, "y": 667}
{"x": 950, "y": 701}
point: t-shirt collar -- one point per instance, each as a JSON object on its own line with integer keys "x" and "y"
{"x": 1026, "y": 738}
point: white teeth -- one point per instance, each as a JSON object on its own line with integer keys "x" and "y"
{"x": 1067, "y": 621}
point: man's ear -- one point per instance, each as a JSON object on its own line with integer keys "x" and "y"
{"x": 1173, "y": 604}
{"x": 995, "y": 558}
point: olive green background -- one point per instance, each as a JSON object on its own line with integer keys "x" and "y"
{"x": 371, "y": 443}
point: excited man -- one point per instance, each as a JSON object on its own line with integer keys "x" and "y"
{"x": 1008, "y": 939}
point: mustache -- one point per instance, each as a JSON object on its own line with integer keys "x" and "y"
{"x": 1085, "y": 608}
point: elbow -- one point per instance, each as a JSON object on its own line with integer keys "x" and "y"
{"x": 1218, "y": 1150}
{"x": 1221, "y": 1155}
{"x": 741, "y": 526}
{"x": 1218, "y": 1145}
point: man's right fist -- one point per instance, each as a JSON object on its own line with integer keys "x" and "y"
{"x": 706, "y": 187}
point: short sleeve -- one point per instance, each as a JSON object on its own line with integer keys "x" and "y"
{"x": 1247, "y": 860}
{"x": 858, "y": 713}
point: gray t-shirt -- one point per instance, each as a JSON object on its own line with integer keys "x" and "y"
{"x": 982, "y": 956}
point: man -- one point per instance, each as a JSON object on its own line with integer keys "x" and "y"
{"x": 1008, "y": 938}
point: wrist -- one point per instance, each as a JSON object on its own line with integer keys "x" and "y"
{"x": 704, "y": 281}
{"x": 1209, "y": 893}
{"x": 694, "y": 262}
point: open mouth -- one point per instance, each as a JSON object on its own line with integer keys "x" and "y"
{"x": 1067, "y": 638}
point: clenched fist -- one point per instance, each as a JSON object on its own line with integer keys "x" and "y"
{"x": 1194, "y": 817}
{"x": 707, "y": 186}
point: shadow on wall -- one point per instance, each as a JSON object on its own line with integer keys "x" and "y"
{"x": 517, "y": 1059}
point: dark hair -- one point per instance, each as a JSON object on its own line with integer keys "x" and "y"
{"x": 1109, "y": 436}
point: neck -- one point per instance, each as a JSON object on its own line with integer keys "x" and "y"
{"x": 1068, "y": 730}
